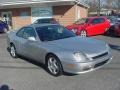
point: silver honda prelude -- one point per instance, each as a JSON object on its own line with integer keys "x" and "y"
{"x": 58, "y": 48}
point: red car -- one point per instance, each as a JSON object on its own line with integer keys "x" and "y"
{"x": 90, "y": 26}
{"x": 115, "y": 30}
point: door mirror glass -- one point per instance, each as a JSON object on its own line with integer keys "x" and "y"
{"x": 31, "y": 39}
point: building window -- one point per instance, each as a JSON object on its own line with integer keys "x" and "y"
{"x": 24, "y": 15}
{"x": 41, "y": 12}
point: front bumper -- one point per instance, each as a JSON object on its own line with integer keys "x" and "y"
{"x": 78, "y": 68}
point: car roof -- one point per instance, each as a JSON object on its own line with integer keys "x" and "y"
{"x": 45, "y": 18}
{"x": 92, "y": 17}
{"x": 39, "y": 25}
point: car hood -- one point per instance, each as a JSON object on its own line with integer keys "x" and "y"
{"x": 80, "y": 26}
{"x": 85, "y": 45}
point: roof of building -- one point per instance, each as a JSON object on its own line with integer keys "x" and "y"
{"x": 27, "y": 3}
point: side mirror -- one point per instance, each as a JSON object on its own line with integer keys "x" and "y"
{"x": 32, "y": 39}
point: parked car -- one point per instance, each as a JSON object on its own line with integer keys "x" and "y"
{"x": 59, "y": 49}
{"x": 113, "y": 20}
{"x": 46, "y": 21}
{"x": 3, "y": 26}
{"x": 90, "y": 26}
{"x": 115, "y": 30}
{"x": 118, "y": 17}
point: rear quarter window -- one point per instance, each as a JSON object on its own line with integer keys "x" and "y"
{"x": 102, "y": 20}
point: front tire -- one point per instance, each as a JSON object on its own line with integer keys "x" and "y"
{"x": 83, "y": 33}
{"x": 54, "y": 65}
{"x": 13, "y": 51}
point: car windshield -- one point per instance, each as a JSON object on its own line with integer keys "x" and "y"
{"x": 82, "y": 21}
{"x": 53, "y": 32}
{"x": 47, "y": 20}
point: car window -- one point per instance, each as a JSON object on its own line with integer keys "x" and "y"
{"x": 29, "y": 32}
{"x": 20, "y": 32}
{"x": 101, "y": 20}
{"x": 26, "y": 32}
{"x": 98, "y": 20}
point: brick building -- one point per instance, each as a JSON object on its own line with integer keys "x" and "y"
{"x": 18, "y": 13}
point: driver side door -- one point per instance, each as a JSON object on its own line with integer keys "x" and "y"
{"x": 24, "y": 44}
{"x": 30, "y": 46}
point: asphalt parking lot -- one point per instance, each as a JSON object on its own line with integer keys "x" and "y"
{"x": 21, "y": 74}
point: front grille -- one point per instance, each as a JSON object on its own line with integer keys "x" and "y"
{"x": 101, "y": 55}
{"x": 101, "y": 63}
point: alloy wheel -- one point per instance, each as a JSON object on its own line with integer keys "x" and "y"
{"x": 13, "y": 51}
{"x": 83, "y": 33}
{"x": 53, "y": 66}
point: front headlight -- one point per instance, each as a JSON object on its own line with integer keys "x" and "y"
{"x": 80, "y": 57}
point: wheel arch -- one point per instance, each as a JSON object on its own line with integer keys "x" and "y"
{"x": 56, "y": 55}
{"x": 61, "y": 70}
{"x": 48, "y": 54}
{"x": 11, "y": 43}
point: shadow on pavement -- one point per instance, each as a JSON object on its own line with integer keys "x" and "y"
{"x": 5, "y": 87}
{"x": 43, "y": 66}
{"x": 33, "y": 62}
{"x": 115, "y": 47}
{"x": 2, "y": 33}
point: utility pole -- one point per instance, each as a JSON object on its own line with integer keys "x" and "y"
{"x": 99, "y": 7}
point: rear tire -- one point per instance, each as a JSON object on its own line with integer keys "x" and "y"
{"x": 13, "y": 51}
{"x": 54, "y": 66}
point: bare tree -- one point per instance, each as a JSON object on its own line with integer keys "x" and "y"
{"x": 97, "y": 5}
{"x": 118, "y": 5}
{"x": 110, "y": 4}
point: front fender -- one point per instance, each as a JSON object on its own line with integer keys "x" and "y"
{"x": 65, "y": 56}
